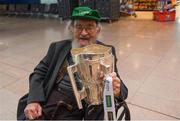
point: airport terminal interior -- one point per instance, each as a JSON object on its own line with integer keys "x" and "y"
{"x": 147, "y": 46}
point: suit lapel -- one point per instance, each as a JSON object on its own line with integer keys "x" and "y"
{"x": 61, "y": 56}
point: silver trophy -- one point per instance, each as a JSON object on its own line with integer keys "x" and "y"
{"x": 90, "y": 61}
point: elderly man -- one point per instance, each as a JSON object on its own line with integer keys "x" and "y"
{"x": 50, "y": 94}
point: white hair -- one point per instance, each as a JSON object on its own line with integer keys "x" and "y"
{"x": 70, "y": 23}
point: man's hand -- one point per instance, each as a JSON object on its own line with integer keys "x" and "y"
{"x": 116, "y": 84}
{"x": 33, "y": 111}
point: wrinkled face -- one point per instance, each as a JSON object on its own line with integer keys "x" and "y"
{"x": 85, "y": 32}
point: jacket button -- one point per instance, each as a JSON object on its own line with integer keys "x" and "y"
{"x": 59, "y": 89}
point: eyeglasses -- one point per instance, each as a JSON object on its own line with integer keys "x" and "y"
{"x": 88, "y": 29}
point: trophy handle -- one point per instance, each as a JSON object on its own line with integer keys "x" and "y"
{"x": 78, "y": 94}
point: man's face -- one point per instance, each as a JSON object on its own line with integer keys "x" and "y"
{"x": 85, "y": 32}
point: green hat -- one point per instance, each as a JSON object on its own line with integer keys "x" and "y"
{"x": 85, "y": 13}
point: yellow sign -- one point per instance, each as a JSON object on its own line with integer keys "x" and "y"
{"x": 174, "y": 2}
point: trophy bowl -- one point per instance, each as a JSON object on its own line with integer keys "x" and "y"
{"x": 90, "y": 62}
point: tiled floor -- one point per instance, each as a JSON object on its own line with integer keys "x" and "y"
{"x": 148, "y": 52}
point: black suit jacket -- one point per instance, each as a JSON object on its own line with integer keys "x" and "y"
{"x": 44, "y": 76}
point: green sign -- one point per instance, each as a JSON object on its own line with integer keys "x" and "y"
{"x": 108, "y": 101}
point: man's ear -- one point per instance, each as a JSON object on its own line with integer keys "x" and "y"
{"x": 98, "y": 29}
{"x": 71, "y": 29}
